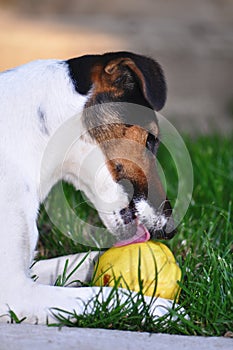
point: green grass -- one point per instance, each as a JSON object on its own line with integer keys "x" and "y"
{"x": 203, "y": 247}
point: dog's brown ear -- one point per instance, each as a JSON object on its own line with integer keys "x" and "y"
{"x": 148, "y": 73}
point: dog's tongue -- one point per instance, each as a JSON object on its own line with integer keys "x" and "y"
{"x": 142, "y": 235}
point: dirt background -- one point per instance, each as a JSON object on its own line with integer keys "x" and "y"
{"x": 193, "y": 40}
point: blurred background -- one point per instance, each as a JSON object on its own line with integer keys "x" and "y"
{"x": 193, "y": 41}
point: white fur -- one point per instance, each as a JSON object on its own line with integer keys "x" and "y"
{"x": 149, "y": 215}
{"x": 34, "y": 155}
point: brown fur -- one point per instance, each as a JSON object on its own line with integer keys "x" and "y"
{"x": 127, "y": 158}
{"x": 104, "y": 81}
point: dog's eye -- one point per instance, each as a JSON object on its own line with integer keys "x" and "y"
{"x": 118, "y": 167}
{"x": 152, "y": 143}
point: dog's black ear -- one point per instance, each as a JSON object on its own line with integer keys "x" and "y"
{"x": 80, "y": 72}
{"x": 149, "y": 74}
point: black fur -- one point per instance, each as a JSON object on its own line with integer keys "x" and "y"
{"x": 42, "y": 121}
{"x": 152, "y": 143}
{"x": 80, "y": 72}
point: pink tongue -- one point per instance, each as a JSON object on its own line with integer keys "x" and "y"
{"x": 142, "y": 235}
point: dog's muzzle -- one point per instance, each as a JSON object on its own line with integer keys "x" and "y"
{"x": 140, "y": 228}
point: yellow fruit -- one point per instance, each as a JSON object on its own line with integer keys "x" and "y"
{"x": 155, "y": 259}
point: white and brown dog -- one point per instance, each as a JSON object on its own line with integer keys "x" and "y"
{"x": 36, "y": 100}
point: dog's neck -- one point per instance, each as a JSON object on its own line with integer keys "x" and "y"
{"x": 64, "y": 134}
{"x": 69, "y": 152}
{"x": 50, "y": 116}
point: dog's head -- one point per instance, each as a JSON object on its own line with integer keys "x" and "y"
{"x": 124, "y": 90}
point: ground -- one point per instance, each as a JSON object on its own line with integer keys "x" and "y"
{"x": 16, "y": 337}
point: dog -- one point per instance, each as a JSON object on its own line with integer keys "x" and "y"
{"x": 37, "y": 100}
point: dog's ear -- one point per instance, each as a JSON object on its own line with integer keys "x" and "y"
{"x": 148, "y": 73}
{"x": 114, "y": 72}
{"x": 80, "y": 72}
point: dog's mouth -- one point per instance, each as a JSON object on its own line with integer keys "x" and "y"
{"x": 141, "y": 235}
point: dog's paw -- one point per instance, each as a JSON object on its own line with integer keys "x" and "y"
{"x": 156, "y": 307}
{"x": 42, "y": 304}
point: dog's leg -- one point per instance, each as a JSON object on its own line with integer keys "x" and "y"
{"x": 18, "y": 291}
{"x": 34, "y": 301}
{"x": 47, "y": 271}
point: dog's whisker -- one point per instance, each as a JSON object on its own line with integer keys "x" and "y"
{"x": 163, "y": 203}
